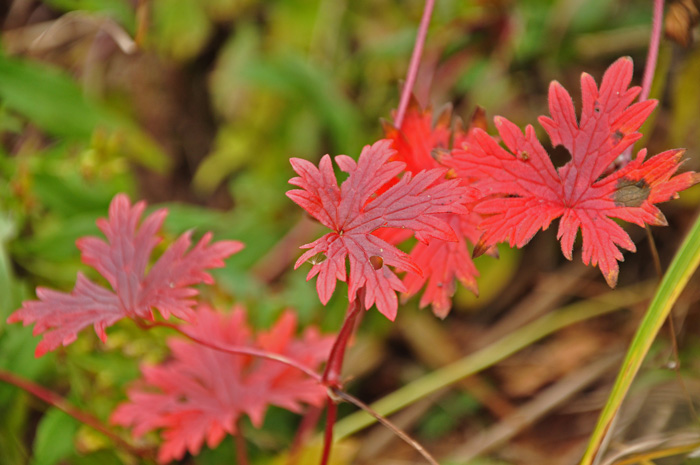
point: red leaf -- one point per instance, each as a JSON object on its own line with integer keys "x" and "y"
{"x": 122, "y": 260}
{"x": 420, "y": 145}
{"x": 200, "y": 393}
{"x": 525, "y": 192}
{"x": 353, "y": 214}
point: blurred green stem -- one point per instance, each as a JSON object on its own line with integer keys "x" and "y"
{"x": 494, "y": 353}
{"x": 684, "y": 264}
{"x": 62, "y": 404}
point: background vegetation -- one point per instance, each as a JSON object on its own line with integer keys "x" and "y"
{"x": 198, "y": 105}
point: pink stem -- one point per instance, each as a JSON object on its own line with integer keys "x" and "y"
{"x": 653, "y": 53}
{"x": 238, "y": 350}
{"x": 650, "y": 67}
{"x": 62, "y": 404}
{"x": 414, "y": 63}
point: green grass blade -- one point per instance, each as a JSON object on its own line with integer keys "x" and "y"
{"x": 494, "y": 353}
{"x": 684, "y": 265}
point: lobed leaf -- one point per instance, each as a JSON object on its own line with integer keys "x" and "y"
{"x": 419, "y": 143}
{"x": 523, "y": 192}
{"x": 199, "y": 395}
{"x": 355, "y": 210}
{"x": 136, "y": 292}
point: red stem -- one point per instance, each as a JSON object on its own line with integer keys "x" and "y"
{"x": 653, "y": 53}
{"x": 238, "y": 350}
{"x": 331, "y": 413}
{"x": 241, "y": 451}
{"x": 334, "y": 368}
{"x": 303, "y": 433}
{"x": 414, "y": 63}
{"x": 62, "y": 404}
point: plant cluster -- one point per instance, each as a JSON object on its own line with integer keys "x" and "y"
{"x": 452, "y": 192}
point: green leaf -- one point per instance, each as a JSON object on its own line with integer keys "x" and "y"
{"x": 53, "y": 101}
{"x": 17, "y": 356}
{"x": 181, "y": 28}
{"x": 12, "y": 421}
{"x": 54, "y": 438}
{"x": 297, "y": 78}
{"x": 67, "y": 193}
{"x": 7, "y": 231}
{"x": 119, "y": 10}
{"x": 101, "y": 457}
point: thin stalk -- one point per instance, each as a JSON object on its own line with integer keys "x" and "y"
{"x": 239, "y": 442}
{"x": 331, "y": 415}
{"x": 499, "y": 350}
{"x": 335, "y": 360}
{"x": 334, "y": 368}
{"x": 303, "y": 433}
{"x": 658, "y": 454}
{"x": 684, "y": 264}
{"x": 387, "y": 424}
{"x": 414, "y": 63}
{"x": 650, "y": 66}
{"x": 653, "y": 53}
{"x": 671, "y": 327}
{"x": 677, "y": 366}
{"x": 654, "y": 254}
{"x": 236, "y": 350}
{"x": 63, "y": 405}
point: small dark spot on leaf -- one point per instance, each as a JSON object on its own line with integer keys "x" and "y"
{"x": 376, "y": 261}
{"x": 439, "y": 153}
{"x": 524, "y": 155}
{"x": 630, "y": 193}
{"x": 617, "y": 137}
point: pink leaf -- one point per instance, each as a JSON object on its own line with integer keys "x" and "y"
{"x": 420, "y": 144}
{"x": 355, "y": 210}
{"x": 199, "y": 395}
{"x": 122, "y": 260}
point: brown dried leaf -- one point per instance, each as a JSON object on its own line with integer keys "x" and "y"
{"x": 681, "y": 18}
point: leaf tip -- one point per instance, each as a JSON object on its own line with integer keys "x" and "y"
{"x": 611, "y": 277}
{"x": 480, "y": 248}
{"x": 478, "y": 119}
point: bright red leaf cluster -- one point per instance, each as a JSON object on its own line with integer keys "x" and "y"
{"x": 523, "y": 192}
{"x": 355, "y": 210}
{"x": 519, "y": 193}
{"x": 123, "y": 260}
{"x": 200, "y": 394}
{"x": 420, "y": 144}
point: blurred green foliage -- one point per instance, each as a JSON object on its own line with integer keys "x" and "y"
{"x": 202, "y": 119}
